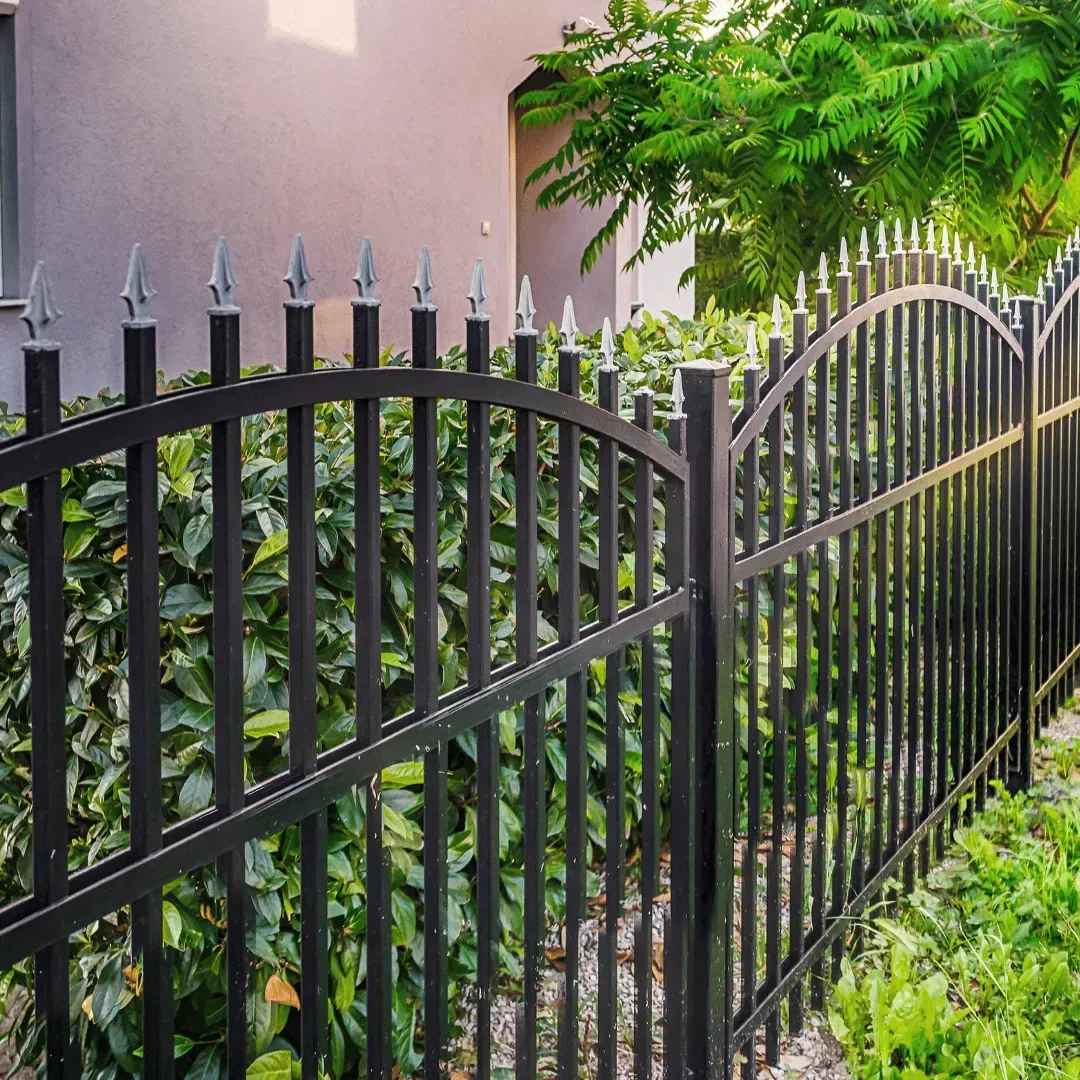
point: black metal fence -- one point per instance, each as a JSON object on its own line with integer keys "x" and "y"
{"x": 869, "y": 575}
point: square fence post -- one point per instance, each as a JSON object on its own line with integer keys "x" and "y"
{"x": 712, "y": 648}
{"x": 1028, "y": 577}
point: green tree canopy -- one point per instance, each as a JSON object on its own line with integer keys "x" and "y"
{"x": 786, "y": 125}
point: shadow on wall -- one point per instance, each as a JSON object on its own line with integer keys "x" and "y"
{"x": 331, "y": 25}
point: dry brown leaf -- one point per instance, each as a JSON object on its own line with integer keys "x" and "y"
{"x": 88, "y": 1008}
{"x": 131, "y": 976}
{"x": 455, "y": 1075}
{"x": 279, "y": 992}
{"x": 657, "y": 972}
{"x": 119, "y": 553}
{"x": 624, "y": 955}
{"x": 556, "y": 957}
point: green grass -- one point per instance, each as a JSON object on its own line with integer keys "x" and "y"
{"x": 977, "y": 975}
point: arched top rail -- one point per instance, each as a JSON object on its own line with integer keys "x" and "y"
{"x": 1055, "y": 316}
{"x": 117, "y": 428}
{"x": 797, "y": 366}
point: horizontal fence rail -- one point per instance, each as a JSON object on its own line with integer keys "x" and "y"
{"x": 834, "y": 597}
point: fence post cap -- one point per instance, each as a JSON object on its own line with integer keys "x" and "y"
{"x": 706, "y": 368}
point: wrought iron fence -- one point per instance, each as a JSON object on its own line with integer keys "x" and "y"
{"x": 869, "y": 576}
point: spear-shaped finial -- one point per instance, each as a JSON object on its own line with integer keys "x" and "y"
{"x": 898, "y": 238}
{"x": 222, "y": 281}
{"x": 424, "y": 285}
{"x": 1059, "y": 263}
{"x": 366, "y": 277}
{"x": 569, "y": 330}
{"x": 677, "y": 398}
{"x": 1017, "y": 323}
{"x": 823, "y": 272}
{"x": 751, "y": 346}
{"x": 945, "y": 239}
{"x": 41, "y": 312}
{"x": 1076, "y": 236}
{"x": 800, "y": 293}
{"x": 864, "y": 246}
{"x": 915, "y": 234}
{"x": 477, "y": 295}
{"x": 138, "y": 292}
{"x": 526, "y": 309}
{"x": 1049, "y": 270}
{"x": 982, "y": 270}
{"x": 607, "y": 347}
{"x": 882, "y": 239}
{"x": 930, "y": 239}
{"x": 994, "y": 280}
{"x": 1005, "y": 297}
{"x": 971, "y": 257}
{"x": 957, "y": 255}
{"x": 1040, "y": 288}
{"x": 777, "y": 317}
{"x": 298, "y": 277}
{"x": 843, "y": 255}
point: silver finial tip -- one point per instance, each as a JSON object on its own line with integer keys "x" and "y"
{"x": 956, "y": 253}
{"x": 945, "y": 239}
{"x": 993, "y": 280}
{"x": 915, "y": 234}
{"x": 898, "y": 237}
{"x": 677, "y": 397}
{"x": 982, "y": 269}
{"x": 843, "y": 255}
{"x": 1018, "y": 323}
{"x": 41, "y": 312}
{"x": 222, "y": 281}
{"x": 138, "y": 292}
{"x": 1005, "y": 297}
{"x": 971, "y": 256}
{"x": 526, "y": 309}
{"x": 569, "y": 328}
{"x": 864, "y": 246}
{"x": 1076, "y": 236}
{"x": 823, "y": 272}
{"x": 477, "y": 295}
{"x": 751, "y": 346}
{"x": 1049, "y": 270}
{"x": 800, "y": 292}
{"x": 424, "y": 285}
{"x": 607, "y": 346}
{"x": 882, "y": 239}
{"x": 777, "y": 317}
{"x": 366, "y": 277}
{"x": 1040, "y": 288}
{"x": 298, "y": 277}
{"x": 930, "y": 237}
{"x": 1059, "y": 257}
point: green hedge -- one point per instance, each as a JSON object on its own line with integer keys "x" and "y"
{"x": 104, "y": 973}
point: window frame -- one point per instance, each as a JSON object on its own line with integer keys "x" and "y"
{"x": 9, "y": 164}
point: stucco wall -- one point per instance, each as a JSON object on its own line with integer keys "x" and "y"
{"x": 171, "y": 121}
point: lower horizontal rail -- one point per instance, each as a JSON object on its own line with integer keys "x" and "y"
{"x": 1059, "y": 673}
{"x": 817, "y": 944}
{"x": 221, "y": 833}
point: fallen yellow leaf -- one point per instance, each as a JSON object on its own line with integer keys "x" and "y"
{"x": 279, "y": 992}
{"x": 119, "y": 553}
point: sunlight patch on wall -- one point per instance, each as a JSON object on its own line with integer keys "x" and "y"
{"x": 324, "y": 24}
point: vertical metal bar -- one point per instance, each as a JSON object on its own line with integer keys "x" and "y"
{"x": 970, "y": 527}
{"x": 426, "y": 659}
{"x": 929, "y": 643}
{"x": 865, "y": 600}
{"x": 44, "y": 532}
{"x": 956, "y": 674}
{"x": 576, "y": 761}
{"x": 1057, "y": 529}
{"x": 478, "y": 542}
{"x": 944, "y": 636}
{"x": 710, "y": 955}
{"x": 683, "y": 741}
{"x": 844, "y": 589}
{"x": 914, "y": 642}
{"x": 751, "y": 527}
{"x": 614, "y": 782}
{"x": 801, "y": 456}
{"x": 778, "y": 587}
{"x": 650, "y": 746}
{"x": 881, "y": 563}
{"x": 982, "y": 569}
{"x": 899, "y": 557}
{"x": 1026, "y": 504}
{"x": 535, "y": 824}
{"x": 823, "y": 455}
{"x": 229, "y": 654}
{"x": 367, "y": 594}
{"x": 1045, "y": 437}
{"x": 144, "y": 674}
{"x": 303, "y": 737}
{"x": 995, "y": 699}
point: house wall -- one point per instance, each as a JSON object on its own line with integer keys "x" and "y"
{"x": 171, "y": 122}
